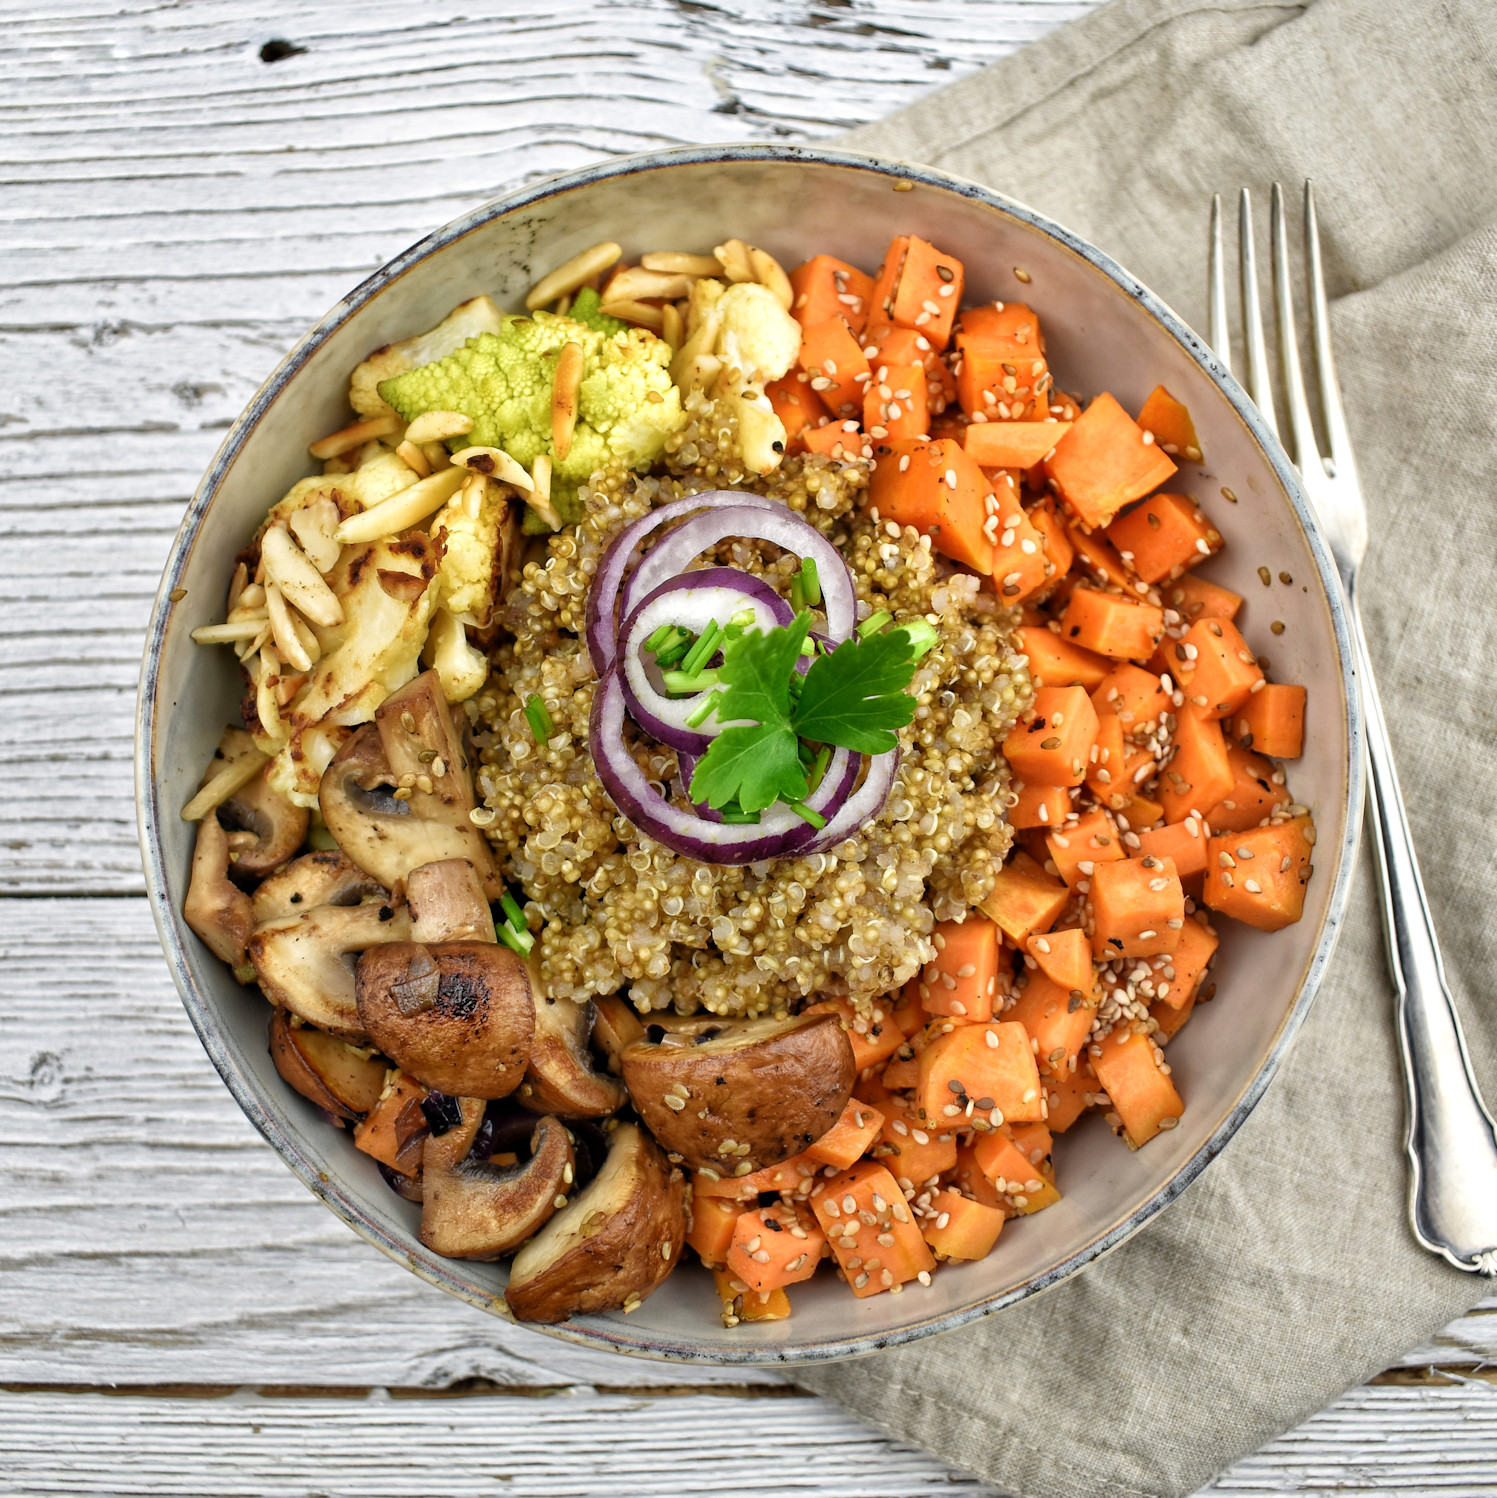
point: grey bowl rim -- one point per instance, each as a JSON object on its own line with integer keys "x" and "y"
{"x": 593, "y": 1331}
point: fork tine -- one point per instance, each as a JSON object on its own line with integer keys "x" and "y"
{"x": 1252, "y": 317}
{"x": 1216, "y": 290}
{"x": 1339, "y": 459}
{"x": 1306, "y": 454}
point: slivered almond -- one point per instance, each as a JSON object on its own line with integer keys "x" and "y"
{"x": 641, "y": 314}
{"x": 438, "y": 426}
{"x": 237, "y": 584}
{"x": 672, "y": 326}
{"x": 539, "y": 498}
{"x": 233, "y": 775}
{"x": 679, "y": 263}
{"x": 733, "y": 255}
{"x": 335, "y": 444}
{"x": 636, "y": 284}
{"x": 768, "y": 272}
{"x": 289, "y": 567}
{"x": 413, "y": 458}
{"x": 564, "y": 388}
{"x": 494, "y": 463}
{"x": 226, "y": 634}
{"x": 266, "y": 707}
{"x": 398, "y": 513}
{"x": 315, "y": 527}
{"x": 577, "y": 271}
{"x": 283, "y": 630}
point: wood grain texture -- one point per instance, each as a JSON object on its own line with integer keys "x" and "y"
{"x": 173, "y": 213}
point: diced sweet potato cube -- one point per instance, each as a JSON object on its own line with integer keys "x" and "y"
{"x": 1053, "y": 745}
{"x": 1012, "y": 444}
{"x": 1016, "y": 320}
{"x": 868, "y": 1187}
{"x": 1134, "y": 694}
{"x": 993, "y": 1065}
{"x": 825, "y": 287}
{"x": 1253, "y": 796}
{"x": 1039, "y": 806}
{"x": 1138, "y": 908}
{"x": 1170, "y": 1021}
{"x": 1020, "y": 567}
{"x": 1082, "y": 846}
{"x": 1057, "y": 1018}
{"x": 1178, "y": 974}
{"x": 1104, "y": 462}
{"x": 395, "y": 1129}
{"x": 1097, "y": 561}
{"x": 1194, "y": 597}
{"x": 895, "y": 402}
{"x": 1013, "y": 1174}
{"x": 1112, "y": 625}
{"x": 839, "y": 438}
{"x": 1055, "y": 662}
{"x": 1164, "y": 536}
{"x": 914, "y": 1149}
{"x": 1025, "y": 898}
{"x": 1169, "y": 421}
{"x": 961, "y": 1228}
{"x": 935, "y": 487}
{"x": 850, "y": 1137}
{"x": 834, "y": 359}
{"x": 968, "y": 1177}
{"x": 874, "y": 1037}
{"x": 1224, "y": 671}
{"x": 1060, "y": 552}
{"x": 963, "y": 978}
{"x": 746, "y": 1304}
{"x": 1199, "y": 775}
{"x": 902, "y": 1073}
{"x": 927, "y": 291}
{"x": 773, "y": 1247}
{"x": 1266, "y": 889}
{"x": 1184, "y": 843}
{"x": 1065, "y": 955}
{"x": 1001, "y": 380}
{"x": 1142, "y": 1096}
{"x": 712, "y": 1221}
{"x": 1272, "y": 720}
{"x": 1067, "y": 1095}
{"x": 797, "y": 406}
{"x": 907, "y": 1013}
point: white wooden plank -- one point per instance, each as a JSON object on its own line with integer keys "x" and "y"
{"x": 576, "y": 1444}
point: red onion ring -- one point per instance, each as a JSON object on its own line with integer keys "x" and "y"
{"x": 777, "y": 833}
{"x": 673, "y": 554}
{"x": 690, "y": 600}
{"x": 862, "y": 806}
{"x": 603, "y": 595}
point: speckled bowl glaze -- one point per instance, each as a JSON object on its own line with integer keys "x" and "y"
{"x": 1105, "y": 331}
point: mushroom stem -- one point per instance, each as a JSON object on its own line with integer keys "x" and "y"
{"x": 220, "y": 912}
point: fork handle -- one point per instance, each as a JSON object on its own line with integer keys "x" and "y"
{"x": 1452, "y": 1141}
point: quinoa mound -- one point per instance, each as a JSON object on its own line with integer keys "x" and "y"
{"x": 619, "y": 911}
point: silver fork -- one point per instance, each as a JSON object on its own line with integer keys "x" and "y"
{"x": 1452, "y": 1141}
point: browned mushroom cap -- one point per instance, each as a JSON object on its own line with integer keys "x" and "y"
{"x": 447, "y": 903}
{"x": 560, "y": 1077}
{"x": 612, "y": 1245}
{"x": 265, "y": 829}
{"x": 734, "y": 1096}
{"x": 304, "y": 963}
{"x": 217, "y": 909}
{"x": 457, "y": 1016}
{"x": 324, "y": 1069}
{"x": 382, "y": 835}
{"x": 474, "y": 1210}
{"x": 326, "y": 877}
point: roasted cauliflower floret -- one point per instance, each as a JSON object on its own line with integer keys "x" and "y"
{"x": 479, "y": 315}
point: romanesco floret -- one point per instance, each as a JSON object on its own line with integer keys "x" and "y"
{"x": 627, "y": 403}
{"x": 587, "y": 308}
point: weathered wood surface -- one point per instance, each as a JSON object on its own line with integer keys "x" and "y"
{"x": 174, "y": 212}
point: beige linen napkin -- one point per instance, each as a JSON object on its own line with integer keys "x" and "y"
{"x": 1287, "y": 1273}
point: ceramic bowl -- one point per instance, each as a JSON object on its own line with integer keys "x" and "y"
{"x": 1105, "y": 331}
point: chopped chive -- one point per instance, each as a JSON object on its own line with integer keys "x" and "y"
{"x": 699, "y": 714}
{"x": 808, "y": 649}
{"x": 511, "y": 908}
{"x": 874, "y": 622}
{"x": 704, "y": 649}
{"x": 810, "y": 582}
{"x": 797, "y": 593}
{"x": 673, "y": 654}
{"x": 805, "y": 813}
{"x": 924, "y": 636}
{"x": 818, "y": 769}
{"x": 740, "y": 818}
{"x": 541, "y": 726}
{"x": 659, "y": 638}
{"x": 516, "y": 941}
{"x": 797, "y": 685}
{"x": 743, "y": 618}
{"x": 687, "y": 683}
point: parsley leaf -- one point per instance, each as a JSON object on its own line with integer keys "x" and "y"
{"x": 760, "y": 764}
{"x": 855, "y": 697}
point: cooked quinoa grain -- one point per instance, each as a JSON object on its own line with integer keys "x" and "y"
{"x": 619, "y": 911}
